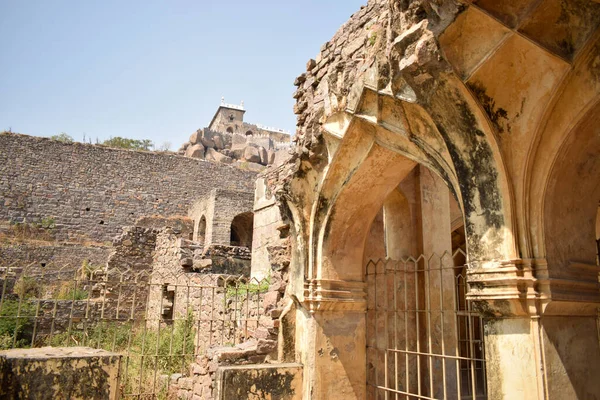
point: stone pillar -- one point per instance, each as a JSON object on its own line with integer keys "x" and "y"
{"x": 267, "y": 220}
{"x": 541, "y": 332}
{"x": 335, "y": 340}
{"x": 438, "y": 283}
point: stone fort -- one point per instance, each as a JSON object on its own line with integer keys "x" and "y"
{"x": 432, "y": 233}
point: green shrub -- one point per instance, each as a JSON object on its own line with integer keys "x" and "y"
{"x": 47, "y": 223}
{"x": 125, "y": 143}
{"x": 70, "y": 291}
{"x": 62, "y": 137}
{"x": 168, "y": 350}
{"x": 243, "y": 289}
{"x": 16, "y": 323}
{"x": 27, "y": 287}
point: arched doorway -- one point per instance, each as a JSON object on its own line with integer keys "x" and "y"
{"x": 424, "y": 340}
{"x": 241, "y": 230}
{"x": 201, "y": 237}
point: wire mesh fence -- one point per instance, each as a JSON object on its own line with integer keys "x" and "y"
{"x": 424, "y": 341}
{"x": 159, "y": 322}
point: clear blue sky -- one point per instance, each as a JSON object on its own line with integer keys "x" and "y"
{"x": 155, "y": 69}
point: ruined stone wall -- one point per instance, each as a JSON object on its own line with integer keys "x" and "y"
{"x": 228, "y": 206}
{"x": 324, "y": 86}
{"x": 47, "y": 258}
{"x": 268, "y": 224}
{"x": 219, "y": 208}
{"x": 222, "y": 314}
{"x": 92, "y": 191}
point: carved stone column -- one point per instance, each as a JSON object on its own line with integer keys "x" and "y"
{"x": 335, "y": 338}
{"x": 538, "y": 328}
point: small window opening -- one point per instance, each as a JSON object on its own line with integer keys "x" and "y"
{"x": 168, "y": 302}
{"x": 241, "y": 230}
{"x": 202, "y": 230}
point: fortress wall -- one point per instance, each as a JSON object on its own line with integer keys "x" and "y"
{"x": 92, "y": 191}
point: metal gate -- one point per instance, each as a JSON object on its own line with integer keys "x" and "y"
{"x": 423, "y": 339}
{"x": 158, "y": 322}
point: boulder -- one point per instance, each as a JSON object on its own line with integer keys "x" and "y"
{"x": 219, "y": 143}
{"x": 238, "y": 142}
{"x": 184, "y": 146}
{"x": 237, "y": 154}
{"x": 251, "y": 154}
{"x": 195, "y": 151}
{"x": 213, "y": 155}
{"x": 208, "y": 143}
{"x": 271, "y": 157}
{"x": 264, "y": 156}
{"x": 196, "y": 137}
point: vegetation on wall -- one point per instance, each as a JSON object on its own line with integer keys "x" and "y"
{"x": 16, "y": 323}
{"x": 150, "y": 352}
{"x": 28, "y": 287}
{"x": 40, "y": 230}
{"x": 62, "y": 137}
{"x": 131, "y": 144}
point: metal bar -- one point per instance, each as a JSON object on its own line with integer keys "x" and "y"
{"x": 456, "y": 325}
{"x": 395, "y": 306}
{"x": 406, "y": 393}
{"x": 376, "y": 306}
{"x": 472, "y": 362}
{"x": 442, "y": 323}
{"x": 406, "y": 356}
{"x": 429, "y": 307}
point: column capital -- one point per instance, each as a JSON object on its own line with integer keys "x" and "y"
{"x": 503, "y": 288}
{"x": 334, "y": 295}
{"x": 526, "y": 287}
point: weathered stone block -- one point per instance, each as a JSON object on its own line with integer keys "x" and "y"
{"x": 219, "y": 142}
{"x": 208, "y": 143}
{"x": 270, "y": 300}
{"x": 59, "y": 373}
{"x": 267, "y": 381}
{"x": 186, "y": 383}
{"x": 195, "y": 137}
{"x": 265, "y": 346}
{"x": 251, "y": 154}
{"x": 213, "y": 155}
{"x": 195, "y": 151}
{"x": 264, "y": 156}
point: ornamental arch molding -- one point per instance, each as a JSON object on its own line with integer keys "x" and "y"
{"x": 500, "y": 100}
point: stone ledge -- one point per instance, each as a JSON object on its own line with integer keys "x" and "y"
{"x": 263, "y": 381}
{"x": 56, "y": 373}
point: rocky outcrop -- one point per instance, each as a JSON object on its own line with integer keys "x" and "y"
{"x": 251, "y": 151}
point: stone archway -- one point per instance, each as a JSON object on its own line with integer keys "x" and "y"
{"x": 241, "y": 230}
{"x": 484, "y": 94}
{"x": 367, "y": 162}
